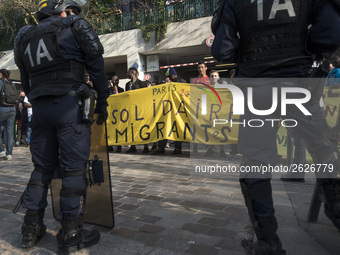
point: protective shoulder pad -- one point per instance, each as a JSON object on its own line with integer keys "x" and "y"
{"x": 17, "y": 42}
{"x": 87, "y": 38}
{"x": 69, "y": 20}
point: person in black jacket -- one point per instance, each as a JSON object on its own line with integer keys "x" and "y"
{"x": 174, "y": 77}
{"x": 115, "y": 89}
{"x": 114, "y": 86}
{"x": 133, "y": 84}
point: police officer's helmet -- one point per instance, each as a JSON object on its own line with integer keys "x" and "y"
{"x": 51, "y": 7}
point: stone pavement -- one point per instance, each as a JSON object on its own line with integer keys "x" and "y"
{"x": 162, "y": 206}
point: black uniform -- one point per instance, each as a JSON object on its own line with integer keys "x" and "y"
{"x": 52, "y": 57}
{"x": 275, "y": 40}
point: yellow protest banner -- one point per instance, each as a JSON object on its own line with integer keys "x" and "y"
{"x": 186, "y": 112}
{"x": 169, "y": 111}
{"x": 331, "y": 108}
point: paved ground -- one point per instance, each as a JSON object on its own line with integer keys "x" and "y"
{"x": 162, "y": 206}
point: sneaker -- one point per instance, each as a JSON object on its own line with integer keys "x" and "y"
{"x": 158, "y": 151}
{"x": 145, "y": 150}
{"x": 231, "y": 157}
{"x": 9, "y": 157}
{"x": 17, "y": 144}
{"x": 222, "y": 154}
{"x": 119, "y": 149}
{"x": 176, "y": 152}
{"x": 2, "y": 155}
{"x": 153, "y": 148}
{"x": 195, "y": 150}
{"x": 132, "y": 150}
{"x": 210, "y": 152}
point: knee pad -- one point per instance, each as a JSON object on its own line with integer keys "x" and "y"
{"x": 328, "y": 155}
{"x": 332, "y": 196}
{"x": 42, "y": 181}
{"x": 332, "y": 206}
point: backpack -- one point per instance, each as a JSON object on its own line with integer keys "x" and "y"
{"x": 217, "y": 16}
{"x": 9, "y": 94}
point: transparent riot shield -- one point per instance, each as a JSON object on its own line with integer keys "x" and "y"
{"x": 98, "y": 202}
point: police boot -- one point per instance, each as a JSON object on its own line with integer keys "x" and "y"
{"x": 268, "y": 243}
{"x": 32, "y": 229}
{"x": 72, "y": 237}
{"x": 332, "y": 206}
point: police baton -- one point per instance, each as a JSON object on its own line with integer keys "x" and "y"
{"x": 16, "y": 208}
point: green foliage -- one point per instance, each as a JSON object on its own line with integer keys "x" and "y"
{"x": 15, "y": 14}
{"x": 12, "y": 17}
{"x": 160, "y": 28}
{"x": 160, "y": 31}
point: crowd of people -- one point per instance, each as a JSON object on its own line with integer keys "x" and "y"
{"x": 171, "y": 75}
{"x": 23, "y": 112}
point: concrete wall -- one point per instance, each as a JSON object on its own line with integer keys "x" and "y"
{"x": 179, "y": 34}
{"x": 131, "y": 43}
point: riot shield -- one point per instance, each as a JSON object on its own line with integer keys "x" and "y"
{"x": 98, "y": 203}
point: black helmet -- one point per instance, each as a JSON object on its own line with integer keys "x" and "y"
{"x": 51, "y": 7}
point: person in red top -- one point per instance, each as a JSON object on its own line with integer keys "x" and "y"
{"x": 202, "y": 78}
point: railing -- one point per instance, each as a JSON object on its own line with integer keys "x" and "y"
{"x": 174, "y": 12}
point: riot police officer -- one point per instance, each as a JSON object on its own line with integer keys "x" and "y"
{"x": 272, "y": 38}
{"x": 51, "y": 57}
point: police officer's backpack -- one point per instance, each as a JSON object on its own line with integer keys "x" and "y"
{"x": 9, "y": 94}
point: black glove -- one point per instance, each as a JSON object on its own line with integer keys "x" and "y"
{"x": 101, "y": 111}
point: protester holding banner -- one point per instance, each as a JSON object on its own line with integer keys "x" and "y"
{"x": 115, "y": 89}
{"x": 269, "y": 39}
{"x": 173, "y": 76}
{"x": 214, "y": 79}
{"x": 133, "y": 84}
{"x": 202, "y": 77}
{"x": 114, "y": 86}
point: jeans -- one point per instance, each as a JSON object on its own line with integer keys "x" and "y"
{"x": 7, "y": 120}
{"x": 29, "y": 131}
